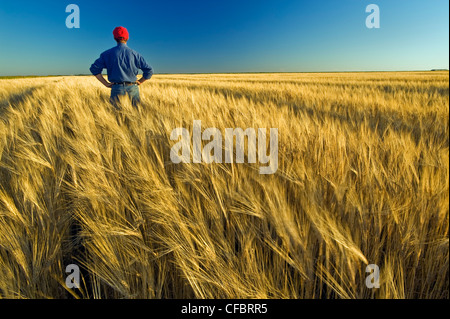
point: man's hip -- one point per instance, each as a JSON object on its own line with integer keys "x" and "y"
{"x": 120, "y": 89}
{"x": 124, "y": 83}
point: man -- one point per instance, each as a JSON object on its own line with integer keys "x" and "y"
{"x": 122, "y": 65}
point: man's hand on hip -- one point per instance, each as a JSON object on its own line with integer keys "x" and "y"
{"x": 140, "y": 81}
{"x": 103, "y": 81}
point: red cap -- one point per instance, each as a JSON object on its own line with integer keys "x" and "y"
{"x": 120, "y": 32}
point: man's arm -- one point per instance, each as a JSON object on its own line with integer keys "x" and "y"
{"x": 103, "y": 81}
{"x": 97, "y": 68}
{"x": 146, "y": 69}
{"x": 141, "y": 80}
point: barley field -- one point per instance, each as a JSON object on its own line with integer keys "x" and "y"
{"x": 363, "y": 178}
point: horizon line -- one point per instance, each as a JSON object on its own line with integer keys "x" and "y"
{"x": 245, "y": 72}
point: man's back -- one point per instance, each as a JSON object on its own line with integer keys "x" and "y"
{"x": 122, "y": 64}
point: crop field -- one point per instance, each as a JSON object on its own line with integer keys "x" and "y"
{"x": 362, "y": 179}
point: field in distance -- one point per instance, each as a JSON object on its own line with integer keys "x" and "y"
{"x": 363, "y": 178}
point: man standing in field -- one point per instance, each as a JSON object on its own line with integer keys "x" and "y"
{"x": 122, "y": 65}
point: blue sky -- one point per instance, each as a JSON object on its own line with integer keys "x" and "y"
{"x": 227, "y": 35}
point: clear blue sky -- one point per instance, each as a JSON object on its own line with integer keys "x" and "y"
{"x": 183, "y": 36}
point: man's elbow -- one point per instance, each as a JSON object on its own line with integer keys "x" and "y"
{"x": 148, "y": 74}
{"x": 95, "y": 70}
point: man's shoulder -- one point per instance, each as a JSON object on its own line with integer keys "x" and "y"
{"x": 132, "y": 51}
{"x": 117, "y": 49}
{"x": 106, "y": 52}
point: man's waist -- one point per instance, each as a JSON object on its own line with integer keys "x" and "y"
{"x": 124, "y": 83}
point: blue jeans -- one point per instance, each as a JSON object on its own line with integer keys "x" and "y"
{"x": 121, "y": 89}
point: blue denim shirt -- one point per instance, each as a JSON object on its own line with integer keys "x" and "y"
{"x": 122, "y": 64}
